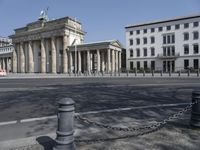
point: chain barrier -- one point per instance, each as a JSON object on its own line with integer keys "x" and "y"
{"x": 144, "y": 130}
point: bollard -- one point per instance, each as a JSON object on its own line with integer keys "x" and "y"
{"x": 152, "y": 73}
{"x": 179, "y": 73}
{"x": 143, "y": 73}
{"x": 161, "y": 73}
{"x": 197, "y": 72}
{"x": 65, "y": 130}
{"x": 127, "y": 73}
{"x": 188, "y": 72}
{"x": 135, "y": 72}
{"x": 170, "y": 73}
{"x": 195, "y": 113}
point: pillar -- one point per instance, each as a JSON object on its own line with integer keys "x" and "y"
{"x": 53, "y": 55}
{"x": 108, "y": 61}
{"x": 88, "y": 61}
{"x": 22, "y": 58}
{"x": 116, "y": 60}
{"x": 98, "y": 60}
{"x": 70, "y": 62}
{"x": 43, "y": 57}
{"x": 103, "y": 61}
{"x": 14, "y": 59}
{"x": 30, "y": 58}
{"x": 120, "y": 61}
{"x": 113, "y": 61}
{"x": 3, "y": 63}
{"x": 79, "y": 61}
{"x": 65, "y": 57}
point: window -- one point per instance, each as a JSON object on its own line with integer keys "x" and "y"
{"x": 186, "y": 64}
{"x": 195, "y": 24}
{"x": 145, "y": 52}
{"x": 152, "y": 30}
{"x": 195, "y": 35}
{"x": 196, "y": 63}
{"x": 152, "y": 65}
{"x": 168, "y": 39}
{"x": 138, "y": 52}
{"x": 145, "y": 40}
{"x": 186, "y": 49}
{"x": 152, "y": 40}
{"x": 131, "y": 41}
{"x": 145, "y": 31}
{"x": 196, "y": 48}
{"x": 138, "y": 65}
{"x": 173, "y": 50}
{"x": 177, "y": 26}
{"x": 138, "y": 41}
{"x": 173, "y": 38}
{"x": 138, "y": 32}
{"x": 160, "y": 29}
{"x": 145, "y": 65}
{"x": 131, "y": 32}
{"x": 152, "y": 51}
{"x": 186, "y": 25}
{"x": 168, "y": 28}
{"x": 186, "y": 36}
{"x": 131, "y": 65}
{"x": 164, "y": 40}
{"x": 131, "y": 52}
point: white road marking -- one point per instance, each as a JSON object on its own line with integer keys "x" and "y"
{"x": 92, "y": 112}
{"x": 7, "y": 123}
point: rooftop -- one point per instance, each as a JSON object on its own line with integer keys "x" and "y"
{"x": 163, "y": 21}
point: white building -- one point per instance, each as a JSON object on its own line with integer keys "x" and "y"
{"x": 6, "y": 49}
{"x": 168, "y": 45}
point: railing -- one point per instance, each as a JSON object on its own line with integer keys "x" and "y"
{"x": 65, "y": 132}
{"x": 164, "y": 56}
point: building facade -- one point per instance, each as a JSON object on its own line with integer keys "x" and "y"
{"x": 56, "y": 46}
{"x": 165, "y": 45}
{"x": 42, "y": 46}
{"x": 6, "y": 49}
{"x": 104, "y": 56}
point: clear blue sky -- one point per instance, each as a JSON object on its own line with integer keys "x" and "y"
{"x": 101, "y": 19}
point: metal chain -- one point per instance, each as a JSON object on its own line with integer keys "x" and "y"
{"x": 149, "y": 128}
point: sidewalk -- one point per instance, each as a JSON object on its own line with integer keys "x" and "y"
{"x": 40, "y": 135}
{"x": 125, "y": 75}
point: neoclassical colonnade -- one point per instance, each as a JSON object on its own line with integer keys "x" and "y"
{"x": 5, "y": 63}
{"x": 96, "y": 57}
{"x": 46, "y": 55}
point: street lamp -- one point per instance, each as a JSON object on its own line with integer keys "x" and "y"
{"x": 75, "y": 60}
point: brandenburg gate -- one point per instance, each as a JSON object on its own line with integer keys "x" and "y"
{"x": 49, "y": 47}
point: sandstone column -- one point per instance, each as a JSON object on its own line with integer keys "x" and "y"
{"x": 103, "y": 61}
{"x": 79, "y": 61}
{"x": 98, "y": 60}
{"x": 30, "y": 58}
{"x": 88, "y": 61}
{"x": 108, "y": 61}
{"x": 14, "y": 59}
{"x": 117, "y": 63}
{"x": 70, "y": 61}
{"x": 113, "y": 61}
{"x": 43, "y": 57}
{"x": 3, "y": 64}
{"x": 22, "y": 58}
{"x": 65, "y": 57}
{"x": 53, "y": 55}
{"x": 120, "y": 63}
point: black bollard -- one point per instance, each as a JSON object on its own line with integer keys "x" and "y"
{"x": 65, "y": 131}
{"x": 179, "y": 73}
{"x": 161, "y": 73}
{"x": 152, "y": 73}
{"x": 143, "y": 73}
{"x": 188, "y": 72}
{"x": 195, "y": 113}
{"x": 197, "y": 72}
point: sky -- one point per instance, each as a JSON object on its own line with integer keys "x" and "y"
{"x": 101, "y": 19}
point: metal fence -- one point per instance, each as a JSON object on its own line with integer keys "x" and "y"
{"x": 66, "y": 140}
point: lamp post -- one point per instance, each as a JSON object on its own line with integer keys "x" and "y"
{"x": 75, "y": 60}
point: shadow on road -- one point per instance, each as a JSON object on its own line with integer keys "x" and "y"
{"x": 47, "y": 142}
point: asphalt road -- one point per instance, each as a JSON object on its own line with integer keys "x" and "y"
{"x": 29, "y": 98}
